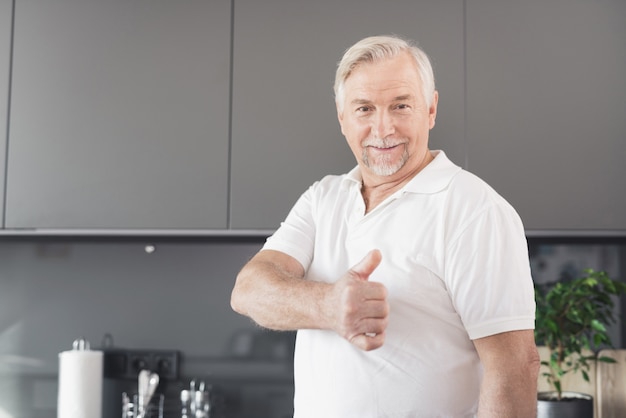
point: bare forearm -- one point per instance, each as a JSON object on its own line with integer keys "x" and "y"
{"x": 505, "y": 397}
{"x": 511, "y": 368}
{"x": 278, "y": 299}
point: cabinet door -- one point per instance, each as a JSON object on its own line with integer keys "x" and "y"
{"x": 6, "y": 7}
{"x": 119, "y": 114}
{"x": 546, "y": 108}
{"x": 285, "y": 133}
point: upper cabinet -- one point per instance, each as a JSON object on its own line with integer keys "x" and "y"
{"x": 546, "y": 108}
{"x": 285, "y": 133}
{"x": 217, "y": 115}
{"x": 119, "y": 114}
{"x": 6, "y": 7}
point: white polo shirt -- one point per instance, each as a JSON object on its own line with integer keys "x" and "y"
{"x": 455, "y": 264}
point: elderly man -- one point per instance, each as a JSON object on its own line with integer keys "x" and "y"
{"x": 408, "y": 277}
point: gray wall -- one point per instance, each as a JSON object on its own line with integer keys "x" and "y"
{"x": 175, "y": 297}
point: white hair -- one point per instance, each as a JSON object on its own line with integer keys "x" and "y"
{"x": 377, "y": 48}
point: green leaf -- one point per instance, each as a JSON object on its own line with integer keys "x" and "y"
{"x": 585, "y": 375}
{"x": 597, "y": 326}
{"x": 557, "y": 386}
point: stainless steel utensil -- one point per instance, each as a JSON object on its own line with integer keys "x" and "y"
{"x": 125, "y": 405}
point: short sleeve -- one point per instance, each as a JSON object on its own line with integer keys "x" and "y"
{"x": 488, "y": 273}
{"x": 296, "y": 234}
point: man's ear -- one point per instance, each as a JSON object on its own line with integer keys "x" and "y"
{"x": 432, "y": 111}
{"x": 340, "y": 117}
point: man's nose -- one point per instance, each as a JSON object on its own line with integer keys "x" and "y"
{"x": 383, "y": 125}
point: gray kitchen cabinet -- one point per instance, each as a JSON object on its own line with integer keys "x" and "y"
{"x": 119, "y": 114}
{"x": 6, "y": 7}
{"x": 285, "y": 133}
{"x": 546, "y": 106}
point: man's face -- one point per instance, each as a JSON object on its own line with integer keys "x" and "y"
{"x": 385, "y": 119}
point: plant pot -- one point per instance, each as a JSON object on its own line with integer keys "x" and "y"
{"x": 572, "y": 405}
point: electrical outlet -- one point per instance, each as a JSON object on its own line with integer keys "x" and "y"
{"x": 126, "y": 364}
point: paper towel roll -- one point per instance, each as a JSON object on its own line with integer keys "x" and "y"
{"x": 80, "y": 384}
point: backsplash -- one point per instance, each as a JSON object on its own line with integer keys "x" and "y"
{"x": 176, "y": 297}
{"x": 551, "y": 262}
{"x": 170, "y": 295}
{"x": 156, "y": 295}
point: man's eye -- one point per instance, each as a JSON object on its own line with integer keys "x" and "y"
{"x": 402, "y": 106}
{"x": 362, "y": 109}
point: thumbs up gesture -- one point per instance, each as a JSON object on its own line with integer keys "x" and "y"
{"x": 361, "y": 309}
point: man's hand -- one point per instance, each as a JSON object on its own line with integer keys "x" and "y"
{"x": 360, "y": 307}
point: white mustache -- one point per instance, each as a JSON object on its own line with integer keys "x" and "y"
{"x": 381, "y": 143}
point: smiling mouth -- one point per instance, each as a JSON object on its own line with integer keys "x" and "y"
{"x": 383, "y": 148}
{"x": 381, "y": 144}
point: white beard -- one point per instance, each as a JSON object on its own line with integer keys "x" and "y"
{"x": 383, "y": 166}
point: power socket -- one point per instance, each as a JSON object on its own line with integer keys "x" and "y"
{"x": 126, "y": 364}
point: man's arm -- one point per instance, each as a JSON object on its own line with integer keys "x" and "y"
{"x": 511, "y": 367}
{"x": 271, "y": 290}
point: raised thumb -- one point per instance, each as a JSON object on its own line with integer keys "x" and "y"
{"x": 367, "y": 265}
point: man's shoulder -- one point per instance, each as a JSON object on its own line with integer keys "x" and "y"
{"x": 467, "y": 181}
{"x": 471, "y": 195}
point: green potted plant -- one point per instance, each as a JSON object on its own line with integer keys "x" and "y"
{"x": 571, "y": 320}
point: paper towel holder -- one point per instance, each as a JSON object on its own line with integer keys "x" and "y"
{"x": 81, "y": 344}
